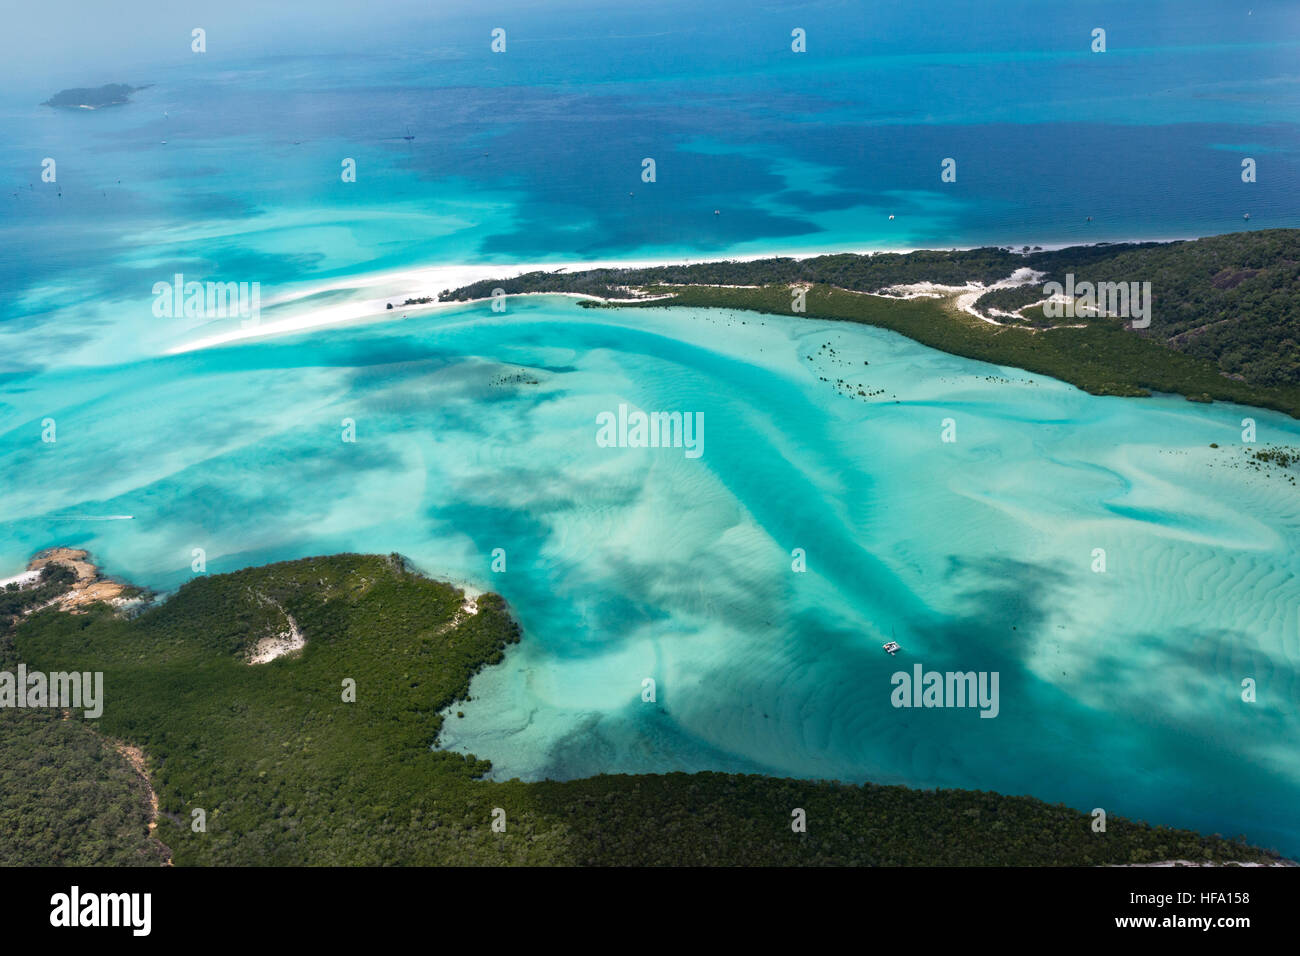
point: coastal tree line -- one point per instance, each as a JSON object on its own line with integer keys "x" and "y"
{"x": 1225, "y": 323}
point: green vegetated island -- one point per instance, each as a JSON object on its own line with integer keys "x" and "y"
{"x": 93, "y": 98}
{"x": 286, "y": 771}
{"x": 1224, "y": 323}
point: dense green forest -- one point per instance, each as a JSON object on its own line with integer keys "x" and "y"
{"x": 1225, "y": 323}
{"x": 66, "y": 795}
{"x": 289, "y": 772}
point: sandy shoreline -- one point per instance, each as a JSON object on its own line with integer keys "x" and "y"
{"x": 89, "y": 586}
{"x": 428, "y": 281}
{"x": 21, "y": 579}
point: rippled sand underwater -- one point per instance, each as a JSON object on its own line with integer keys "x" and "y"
{"x": 477, "y": 431}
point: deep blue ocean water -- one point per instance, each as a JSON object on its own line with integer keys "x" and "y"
{"x": 536, "y": 153}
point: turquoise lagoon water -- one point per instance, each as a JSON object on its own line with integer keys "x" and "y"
{"x": 1118, "y": 689}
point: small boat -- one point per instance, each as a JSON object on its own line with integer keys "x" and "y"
{"x": 891, "y": 217}
{"x": 891, "y": 646}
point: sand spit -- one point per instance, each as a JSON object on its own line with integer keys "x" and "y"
{"x": 375, "y": 293}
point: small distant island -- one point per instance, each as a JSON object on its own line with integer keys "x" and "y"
{"x": 88, "y": 98}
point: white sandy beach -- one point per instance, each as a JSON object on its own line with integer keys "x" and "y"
{"x": 427, "y": 282}
{"x": 398, "y": 286}
{"x": 22, "y": 579}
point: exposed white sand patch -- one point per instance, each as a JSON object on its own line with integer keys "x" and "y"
{"x": 1190, "y": 863}
{"x": 286, "y": 642}
{"x": 277, "y": 645}
{"x": 468, "y": 607}
{"x": 711, "y": 285}
{"x": 639, "y": 298}
{"x": 22, "y": 580}
{"x": 966, "y": 295}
